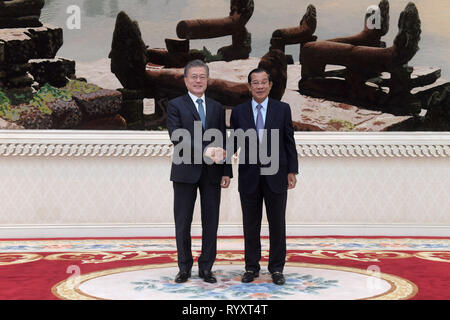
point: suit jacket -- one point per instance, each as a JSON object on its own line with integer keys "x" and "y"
{"x": 279, "y": 117}
{"x": 181, "y": 114}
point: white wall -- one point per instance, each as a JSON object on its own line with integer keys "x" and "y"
{"x": 70, "y": 184}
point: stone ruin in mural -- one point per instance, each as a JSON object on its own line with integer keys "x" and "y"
{"x": 378, "y": 77}
{"x": 372, "y": 76}
{"x": 158, "y": 73}
{"x": 351, "y": 83}
{"x": 39, "y": 90}
{"x": 300, "y": 34}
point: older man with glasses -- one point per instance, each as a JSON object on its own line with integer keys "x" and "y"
{"x": 265, "y": 115}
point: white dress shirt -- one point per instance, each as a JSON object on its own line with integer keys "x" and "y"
{"x": 194, "y": 99}
{"x": 263, "y": 109}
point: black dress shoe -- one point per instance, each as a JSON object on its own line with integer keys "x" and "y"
{"x": 278, "y": 278}
{"x": 207, "y": 276}
{"x": 182, "y": 276}
{"x": 249, "y": 276}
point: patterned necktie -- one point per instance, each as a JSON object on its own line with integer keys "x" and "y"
{"x": 201, "y": 112}
{"x": 259, "y": 122}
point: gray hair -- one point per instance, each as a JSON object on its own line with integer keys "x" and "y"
{"x": 195, "y": 63}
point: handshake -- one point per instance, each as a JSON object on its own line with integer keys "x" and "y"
{"x": 217, "y": 154}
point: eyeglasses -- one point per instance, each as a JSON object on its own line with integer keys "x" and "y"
{"x": 196, "y": 77}
{"x": 256, "y": 83}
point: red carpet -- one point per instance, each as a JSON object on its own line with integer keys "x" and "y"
{"x": 34, "y": 274}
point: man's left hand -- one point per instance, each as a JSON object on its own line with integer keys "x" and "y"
{"x": 292, "y": 180}
{"x": 216, "y": 154}
{"x": 225, "y": 182}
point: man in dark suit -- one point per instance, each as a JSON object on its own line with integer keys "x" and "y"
{"x": 189, "y": 116}
{"x": 271, "y": 121}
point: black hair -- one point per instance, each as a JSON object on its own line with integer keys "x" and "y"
{"x": 258, "y": 70}
{"x": 195, "y": 63}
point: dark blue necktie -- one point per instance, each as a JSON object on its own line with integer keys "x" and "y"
{"x": 259, "y": 122}
{"x": 201, "y": 112}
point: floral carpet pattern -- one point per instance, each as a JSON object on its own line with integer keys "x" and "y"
{"x": 144, "y": 268}
{"x": 303, "y": 282}
{"x": 231, "y": 286}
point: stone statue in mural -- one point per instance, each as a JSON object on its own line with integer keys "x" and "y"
{"x": 372, "y": 76}
{"x": 233, "y": 25}
{"x": 136, "y": 68}
{"x": 177, "y": 52}
{"x": 377, "y": 77}
{"x": 370, "y": 37}
{"x": 362, "y": 62}
{"x": 128, "y": 57}
{"x": 303, "y": 33}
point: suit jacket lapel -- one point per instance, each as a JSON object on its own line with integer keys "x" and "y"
{"x": 209, "y": 112}
{"x": 269, "y": 115}
{"x": 249, "y": 115}
{"x": 191, "y": 106}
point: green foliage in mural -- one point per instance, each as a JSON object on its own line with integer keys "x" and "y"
{"x": 346, "y": 125}
{"x": 76, "y": 86}
{"x": 42, "y": 98}
{"x": 209, "y": 57}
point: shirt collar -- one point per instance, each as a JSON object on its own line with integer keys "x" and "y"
{"x": 263, "y": 104}
{"x": 194, "y": 98}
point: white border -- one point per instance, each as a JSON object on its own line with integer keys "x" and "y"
{"x": 154, "y": 143}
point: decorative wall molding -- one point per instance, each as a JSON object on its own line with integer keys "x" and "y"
{"x": 70, "y": 143}
{"x": 369, "y": 144}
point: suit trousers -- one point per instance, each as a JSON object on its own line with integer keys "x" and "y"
{"x": 252, "y": 205}
{"x": 185, "y": 195}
